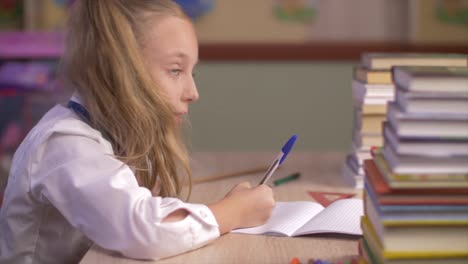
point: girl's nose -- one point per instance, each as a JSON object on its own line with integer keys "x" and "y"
{"x": 191, "y": 93}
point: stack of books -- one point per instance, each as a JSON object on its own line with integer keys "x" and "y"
{"x": 416, "y": 185}
{"x": 373, "y": 88}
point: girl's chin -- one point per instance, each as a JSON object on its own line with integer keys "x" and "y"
{"x": 179, "y": 120}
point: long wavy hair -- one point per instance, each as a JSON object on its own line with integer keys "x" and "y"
{"x": 103, "y": 62}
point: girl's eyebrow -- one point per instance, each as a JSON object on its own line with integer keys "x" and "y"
{"x": 179, "y": 54}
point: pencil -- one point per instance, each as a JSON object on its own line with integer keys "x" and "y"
{"x": 286, "y": 179}
{"x": 228, "y": 175}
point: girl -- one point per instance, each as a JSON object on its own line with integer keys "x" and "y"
{"x": 85, "y": 174}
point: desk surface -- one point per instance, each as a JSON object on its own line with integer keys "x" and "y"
{"x": 319, "y": 172}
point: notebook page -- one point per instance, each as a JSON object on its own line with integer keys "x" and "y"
{"x": 342, "y": 216}
{"x": 285, "y": 218}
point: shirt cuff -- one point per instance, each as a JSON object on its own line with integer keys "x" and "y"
{"x": 203, "y": 225}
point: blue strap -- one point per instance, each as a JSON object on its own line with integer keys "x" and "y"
{"x": 80, "y": 111}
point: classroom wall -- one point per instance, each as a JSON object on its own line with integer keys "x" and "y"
{"x": 255, "y": 106}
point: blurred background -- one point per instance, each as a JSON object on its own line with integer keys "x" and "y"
{"x": 268, "y": 68}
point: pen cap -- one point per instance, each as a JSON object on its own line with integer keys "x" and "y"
{"x": 287, "y": 147}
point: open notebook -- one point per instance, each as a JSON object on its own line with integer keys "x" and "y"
{"x": 303, "y": 217}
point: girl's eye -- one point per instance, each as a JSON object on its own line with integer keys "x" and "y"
{"x": 175, "y": 72}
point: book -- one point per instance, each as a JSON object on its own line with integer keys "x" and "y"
{"x": 415, "y": 198}
{"x": 440, "y": 179}
{"x": 375, "y": 179}
{"x": 378, "y": 108}
{"x": 381, "y": 218}
{"x": 358, "y": 155}
{"x": 370, "y": 124}
{"x": 373, "y": 90}
{"x": 364, "y": 100}
{"x": 305, "y": 217}
{"x": 366, "y": 140}
{"x": 376, "y": 256}
{"x": 372, "y": 76}
{"x": 425, "y": 164}
{"x": 432, "y": 79}
{"x": 417, "y": 242}
{"x": 428, "y": 146}
{"x": 427, "y": 125}
{"x": 377, "y": 188}
{"x": 387, "y": 60}
{"x": 432, "y": 103}
{"x": 351, "y": 176}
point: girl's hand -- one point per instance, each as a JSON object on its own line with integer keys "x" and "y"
{"x": 239, "y": 187}
{"x": 243, "y": 207}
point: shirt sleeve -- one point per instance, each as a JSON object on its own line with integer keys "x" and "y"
{"x": 99, "y": 195}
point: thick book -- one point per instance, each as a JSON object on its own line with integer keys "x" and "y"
{"x": 401, "y": 199}
{"x": 377, "y": 255}
{"x": 422, "y": 242}
{"x": 386, "y": 61}
{"x": 375, "y": 179}
{"x": 432, "y": 79}
{"x": 429, "y": 146}
{"x": 370, "y": 124}
{"x": 405, "y": 218}
{"x": 373, "y": 108}
{"x": 305, "y": 217}
{"x": 432, "y": 103}
{"x": 418, "y": 179}
{"x": 378, "y": 188}
{"x": 427, "y": 125}
{"x": 377, "y": 103}
{"x": 361, "y": 89}
{"x": 366, "y": 140}
{"x": 424, "y": 164}
{"x": 370, "y": 76}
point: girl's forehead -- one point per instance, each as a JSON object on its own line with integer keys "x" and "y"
{"x": 171, "y": 36}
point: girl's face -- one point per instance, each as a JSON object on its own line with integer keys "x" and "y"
{"x": 171, "y": 53}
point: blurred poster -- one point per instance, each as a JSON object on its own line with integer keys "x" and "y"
{"x": 11, "y": 14}
{"x": 196, "y": 8}
{"x": 296, "y": 10}
{"x": 45, "y": 14}
{"x": 453, "y": 12}
{"x": 438, "y": 22}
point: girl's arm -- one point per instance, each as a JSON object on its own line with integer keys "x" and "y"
{"x": 99, "y": 196}
{"x": 237, "y": 210}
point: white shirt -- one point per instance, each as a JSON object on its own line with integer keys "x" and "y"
{"x": 66, "y": 191}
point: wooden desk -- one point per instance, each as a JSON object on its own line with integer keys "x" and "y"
{"x": 320, "y": 172}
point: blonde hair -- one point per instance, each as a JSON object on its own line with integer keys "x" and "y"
{"x": 104, "y": 63}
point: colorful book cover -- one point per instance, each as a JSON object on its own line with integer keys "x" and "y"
{"x": 415, "y": 180}
{"x": 380, "y": 185}
{"x": 431, "y": 215}
{"x": 376, "y": 245}
{"x": 416, "y": 198}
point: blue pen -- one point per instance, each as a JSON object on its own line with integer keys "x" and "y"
{"x": 279, "y": 159}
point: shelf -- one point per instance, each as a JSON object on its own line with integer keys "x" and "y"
{"x": 313, "y": 51}
{"x": 31, "y": 45}
{"x": 43, "y": 45}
